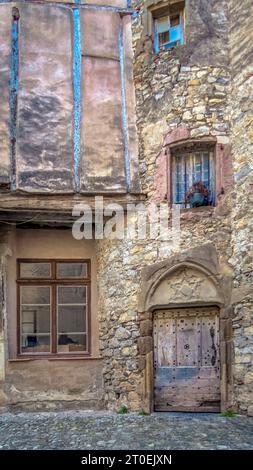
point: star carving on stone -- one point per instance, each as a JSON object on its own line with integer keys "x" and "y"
{"x": 186, "y": 285}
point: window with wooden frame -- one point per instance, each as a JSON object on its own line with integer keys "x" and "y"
{"x": 193, "y": 175}
{"x": 168, "y": 23}
{"x": 53, "y": 307}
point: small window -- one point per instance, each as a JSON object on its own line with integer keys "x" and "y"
{"x": 193, "y": 178}
{"x": 168, "y": 31}
{"x": 53, "y": 308}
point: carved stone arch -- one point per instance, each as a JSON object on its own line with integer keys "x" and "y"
{"x": 202, "y": 261}
{"x": 183, "y": 284}
{"x": 189, "y": 279}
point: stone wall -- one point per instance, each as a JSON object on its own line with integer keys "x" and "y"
{"x": 206, "y": 30}
{"x": 124, "y": 338}
{"x": 193, "y": 90}
{"x": 170, "y": 94}
{"x": 241, "y": 44}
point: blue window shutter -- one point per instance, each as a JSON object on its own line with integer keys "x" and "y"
{"x": 175, "y": 33}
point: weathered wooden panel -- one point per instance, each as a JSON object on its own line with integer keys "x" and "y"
{"x": 165, "y": 350}
{"x": 186, "y": 356}
{"x": 202, "y": 396}
{"x": 5, "y": 44}
{"x": 187, "y": 339}
{"x": 102, "y": 146}
{"x": 45, "y": 117}
{"x": 209, "y": 328}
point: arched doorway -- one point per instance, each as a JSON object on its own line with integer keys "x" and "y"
{"x": 186, "y": 345}
{"x": 186, "y": 359}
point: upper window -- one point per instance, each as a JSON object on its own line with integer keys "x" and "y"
{"x": 53, "y": 313}
{"x": 168, "y": 26}
{"x": 193, "y": 178}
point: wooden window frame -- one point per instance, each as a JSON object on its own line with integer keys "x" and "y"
{"x": 162, "y": 9}
{"x": 158, "y": 47}
{"x": 206, "y": 144}
{"x": 53, "y": 282}
{"x": 180, "y": 137}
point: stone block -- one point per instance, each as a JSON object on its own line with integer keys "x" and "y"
{"x": 248, "y": 378}
{"x": 194, "y": 82}
{"x": 141, "y": 363}
{"x": 250, "y": 411}
{"x": 3, "y": 399}
{"x": 145, "y": 345}
{"x": 146, "y": 328}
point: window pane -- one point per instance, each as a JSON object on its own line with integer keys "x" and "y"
{"x": 34, "y": 295}
{"x": 72, "y": 319}
{"x": 35, "y": 319}
{"x": 174, "y": 20}
{"x": 35, "y": 343}
{"x": 72, "y": 343}
{"x": 73, "y": 270}
{"x": 189, "y": 169}
{"x": 35, "y": 270}
{"x": 164, "y": 38}
{"x": 72, "y": 295}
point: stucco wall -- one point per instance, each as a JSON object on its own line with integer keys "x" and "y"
{"x": 68, "y": 121}
{"x": 55, "y": 382}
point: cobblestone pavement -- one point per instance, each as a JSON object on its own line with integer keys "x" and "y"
{"x": 105, "y": 430}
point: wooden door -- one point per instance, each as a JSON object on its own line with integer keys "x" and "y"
{"x": 186, "y": 359}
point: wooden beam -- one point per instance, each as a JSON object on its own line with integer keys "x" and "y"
{"x": 60, "y": 202}
{"x": 53, "y": 210}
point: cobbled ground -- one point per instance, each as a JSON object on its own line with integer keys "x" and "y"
{"x": 87, "y": 430}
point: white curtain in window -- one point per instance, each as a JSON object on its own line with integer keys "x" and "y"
{"x": 189, "y": 169}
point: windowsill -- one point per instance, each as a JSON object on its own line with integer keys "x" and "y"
{"x": 54, "y": 358}
{"x": 198, "y": 209}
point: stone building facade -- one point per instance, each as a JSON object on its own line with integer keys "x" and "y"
{"x": 241, "y": 137}
{"x": 189, "y": 99}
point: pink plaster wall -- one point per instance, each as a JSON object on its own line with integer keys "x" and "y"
{"x": 162, "y": 171}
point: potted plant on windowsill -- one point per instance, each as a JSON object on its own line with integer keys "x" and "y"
{"x": 197, "y": 195}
